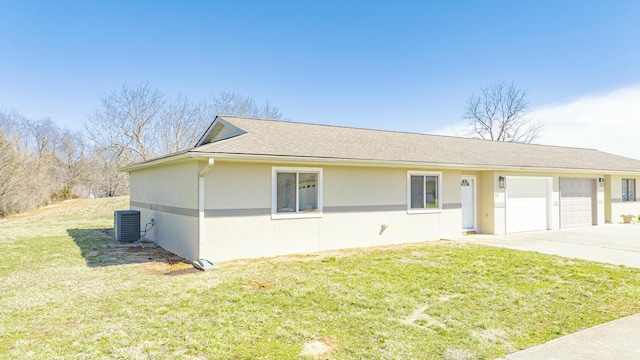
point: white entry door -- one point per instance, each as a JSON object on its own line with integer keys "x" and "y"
{"x": 468, "y": 186}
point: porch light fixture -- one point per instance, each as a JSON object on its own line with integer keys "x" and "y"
{"x": 601, "y": 182}
{"x": 502, "y": 182}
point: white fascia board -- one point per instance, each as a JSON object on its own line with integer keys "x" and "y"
{"x": 387, "y": 163}
{"x": 357, "y": 162}
{"x": 156, "y": 162}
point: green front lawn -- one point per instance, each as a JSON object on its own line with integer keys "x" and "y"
{"x": 63, "y": 294}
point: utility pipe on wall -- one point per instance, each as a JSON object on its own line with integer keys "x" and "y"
{"x": 201, "y": 205}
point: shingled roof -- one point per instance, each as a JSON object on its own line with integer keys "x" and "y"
{"x": 237, "y": 137}
{"x": 301, "y": 140}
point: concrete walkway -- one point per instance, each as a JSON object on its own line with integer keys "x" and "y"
{"x": 611, "y": 243}
{"x": 619, "y": 339}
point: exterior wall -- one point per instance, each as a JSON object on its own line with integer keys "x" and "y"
{"x": 499, "y": 222}
{"x": 487, "y": 188}
{"x": 619, "y": 207}
{"x": 357, "y": 202}
{"x": 607, "y": 199}
{"x": 169, "y": 194}
{"x": 362, "y": 206}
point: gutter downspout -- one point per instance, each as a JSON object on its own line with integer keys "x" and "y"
{"x": 201, "y": 205}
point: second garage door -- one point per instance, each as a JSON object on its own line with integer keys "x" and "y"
{"x": 576, "y": 202}
{"x": 527, "y": 203}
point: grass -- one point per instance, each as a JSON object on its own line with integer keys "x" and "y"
{"x": 65, "y": 294}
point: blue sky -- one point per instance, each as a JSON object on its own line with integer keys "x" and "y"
{"x": 398, "y": 65}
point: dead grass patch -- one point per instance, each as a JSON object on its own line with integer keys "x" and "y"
{"x": 420, "y": 262}
{"x": 165, "y": 266}
{"x": 448, "y": 297}
{"x": 318, "y": 348}
{"x": 458, "y": 354}
{"x": 495, "y": 337}
{"x": 261, "y": 286}
{"x": 423, "y": 320}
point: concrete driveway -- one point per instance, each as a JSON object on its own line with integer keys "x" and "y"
{"x": 611, "y": 243}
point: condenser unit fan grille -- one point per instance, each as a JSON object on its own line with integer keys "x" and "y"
{"x": 126, "y": 224}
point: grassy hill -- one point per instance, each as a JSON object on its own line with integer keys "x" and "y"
{"x": 66, "y": 294}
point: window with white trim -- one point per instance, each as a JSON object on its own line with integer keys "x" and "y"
{"x": 423, "y": 191}
{"x": 296, "y": 192}
{"x": 628, "y": 190}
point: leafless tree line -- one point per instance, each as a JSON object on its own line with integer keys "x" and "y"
{"x": 140, "y": 123}
{"x": 42, "y": 163}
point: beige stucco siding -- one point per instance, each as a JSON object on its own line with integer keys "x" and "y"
{"x": 487, "y": 187}
{"x": 238, "y": 186}
{"x": 364, "y": 186}
{"x": 363, "y": 206}
{"x": 169, "y": 195}
{"x": 171, "y": 185}
{"x": 619, "y": 207}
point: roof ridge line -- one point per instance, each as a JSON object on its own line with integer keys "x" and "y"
{"x": 406, "y": 132}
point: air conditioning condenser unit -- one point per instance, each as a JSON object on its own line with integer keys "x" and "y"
{"x": 126, "y": 224}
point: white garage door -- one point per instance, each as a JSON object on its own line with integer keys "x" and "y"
{"x": 576, "y": 202}
{"x": 527, "y": 203}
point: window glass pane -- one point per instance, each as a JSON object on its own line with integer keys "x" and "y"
{"x": 286, "y": 192}
{"x": 417, "y": 192}
{"x": 431, "y": 185}
{"x": 632, "y": 190}
{"x": 308, "y": 192}
{"x": 624, "y": 190}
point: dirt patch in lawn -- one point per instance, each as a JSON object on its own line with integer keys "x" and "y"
{"x": 144, "y": 255}
{"x": 318, "y": 348}
{"x": 153, "y": 259}
{"x": 261, "y": 286}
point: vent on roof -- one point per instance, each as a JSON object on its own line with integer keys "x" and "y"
{"x": 126, "y": 224}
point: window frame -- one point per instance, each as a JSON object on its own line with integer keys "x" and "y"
{"x": 625, "y": 197}
{"x": 424, "y": 210}
{"x": 274, "y": 192}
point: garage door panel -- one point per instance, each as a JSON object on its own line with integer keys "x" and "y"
{"x": 527, "y": 204}
{"x": 576, "y": 202}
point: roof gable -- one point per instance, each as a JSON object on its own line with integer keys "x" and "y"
{"x": 219, "y": 130}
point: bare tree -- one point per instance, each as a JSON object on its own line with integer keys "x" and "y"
{"x": 9, "y": 166}
{"x": 106, "y": 178}
{"x": 180, "y": 123}
{"x": 500, "y": 113}
{"x": 230, "y": 103}
{"x": 42, "y": 135}
{"x": 137, "y": 124}
{"x": 125, "y": 122}
{"x": 72, "y": 163}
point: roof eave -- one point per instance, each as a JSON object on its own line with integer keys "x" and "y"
{"x": 156, "y": 162}
{"x": 390, "y": 163}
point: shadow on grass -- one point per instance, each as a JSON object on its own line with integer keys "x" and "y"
{"x": 96, "y": 249}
